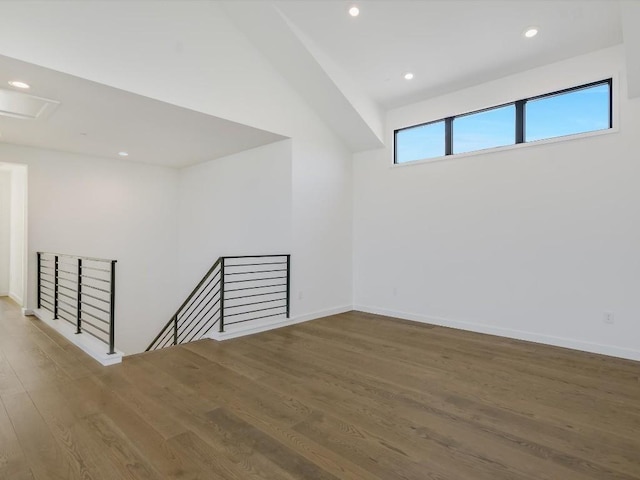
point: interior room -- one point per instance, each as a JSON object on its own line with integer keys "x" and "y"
{"x": 368, "y": 239}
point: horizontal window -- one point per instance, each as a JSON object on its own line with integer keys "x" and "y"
{"x": 487, "y": 129}
{"x": 423, "y": 141}
{"x": 582, "y": 109}
{"x": 577, "y": 111}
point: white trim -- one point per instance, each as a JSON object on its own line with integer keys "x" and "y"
{"x": 285, "y": 323}
{"x": 27, "y": 312}
{"x": 513, "y": 146}
{"x": 15, "y": 298}
{"x": 4, "y": 294}
{"x": 91, "y": 346}
{"x": 601, "y": 349}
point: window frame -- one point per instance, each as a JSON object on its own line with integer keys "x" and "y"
{"x": 520, "y": 123}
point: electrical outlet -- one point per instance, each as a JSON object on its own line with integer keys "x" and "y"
{"x": 608, "y": 318}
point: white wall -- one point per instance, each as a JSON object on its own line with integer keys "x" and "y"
{"x": 236, "y": 205}
{"x": 107, "y": 209}
{"x": 533, "y": 242}
{"x": 150, "y": 49}
{"x": 17, "y": 232}
{"x": 5, "y": 224}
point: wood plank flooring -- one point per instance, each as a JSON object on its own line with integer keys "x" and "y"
{"x": 353, "y": 396}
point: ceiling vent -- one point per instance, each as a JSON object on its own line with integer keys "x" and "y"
{"x": 25, "y": 106}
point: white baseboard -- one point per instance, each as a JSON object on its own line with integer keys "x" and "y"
{"x": 27, "y": 312}
{"x": 15, "y": 298}
{"x": 610, "y": 350}
{"x": 284, "y": 323}
{"x": 4, "y": 294}
{"x": 91, "y": 346}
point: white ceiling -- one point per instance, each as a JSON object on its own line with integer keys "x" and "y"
{"x": 98, "y": 120}
{"x": 449, "y": 44}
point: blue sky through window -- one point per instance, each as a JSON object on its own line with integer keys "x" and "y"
{"x": 580, "y": 111}
{"x": 488, "y": 129}
{"x": 418, "y": 143}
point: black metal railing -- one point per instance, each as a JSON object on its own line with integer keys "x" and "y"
{"x": 235, "y": 290}
{"x": 80, "y": 291}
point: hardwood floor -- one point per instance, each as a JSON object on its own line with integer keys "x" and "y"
{"x": 353, "y": 396}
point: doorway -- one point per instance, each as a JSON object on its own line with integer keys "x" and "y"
{"x": 13, "y": 232}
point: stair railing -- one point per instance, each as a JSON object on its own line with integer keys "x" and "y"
{"x": 236, "y": 289}
{"x": 80, "y": 291}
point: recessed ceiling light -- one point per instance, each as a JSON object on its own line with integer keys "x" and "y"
{"x": 408, "y": 76}
{"x": 18, "y": 84}
{"x": 354, "y": 11}
{"x": 123, "y": 154}
{"x": 531, "y": 32}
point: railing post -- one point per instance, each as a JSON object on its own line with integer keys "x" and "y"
{"x": 288, "y": 285}
{"x": 39, "y": 278}
{"x": 112, "y": 313}
{"x": 79, "y": 305}
{"x": 222, "y": 295}
{"x": 55, "y": 288}
{"x": 175, "y": 330}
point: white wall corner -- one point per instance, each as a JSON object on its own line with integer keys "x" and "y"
{"x": 27, "y": 312}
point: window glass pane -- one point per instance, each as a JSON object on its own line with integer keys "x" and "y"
{"x": 418, "y": 143}
{"x": 491, "y": 128}
{"x": 579, "y": 111}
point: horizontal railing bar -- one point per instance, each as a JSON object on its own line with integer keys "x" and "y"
{"x": 164, "y": 337}
{"x": 255, "y": 318}
{"x": 227, "y": 307}
{"x": 253, "y": 311}
{"x": 47, "y": 301}
{"x": 204, "y": 293}
{"x": 184, "y": 334}
{"x": 86, "y": 322}
{"x": 253, "y": 264}
{"x": 96, "y": 278}
{"x": 195, "y": 335}
{"x": 67, "y": 296}
{"x": 77, "y": 256}
{"x": 72, "y": 322}
{"x": 48, "y": 281}
{"x": 85, "y": 294}
{"x": 84, "y": 267}
{"x": 95, "y": 336}
{"x": 258, "y": 256}
{"x": 65, "y": 279}
{"x": 193, "y": 292}
{"x": 227, "y": 299}
{"x": 201, "y": 310}
{"x": 47, "y": 295}
{"x": 47, "y": 267}
{"x": 210, "y": 327}
{"x": 204, "y": 317}
{"x": 48, "y": 288}
{"x": 95, "y": 288}
{"x": 67, "y": 304}
{"x": 167, "y": 343}
{"x": 83, "y": 312}
{"x": 167, "y": 337}
{"x": 259, "y": 271}
{"x": 82, "y": 302}
{"x": 64, "y": 271}
{"x": 253, "y": 288}
{"x": 255, "y": 280}
{"x": 67, "y": 288}
{"x": 63, "y": 310}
